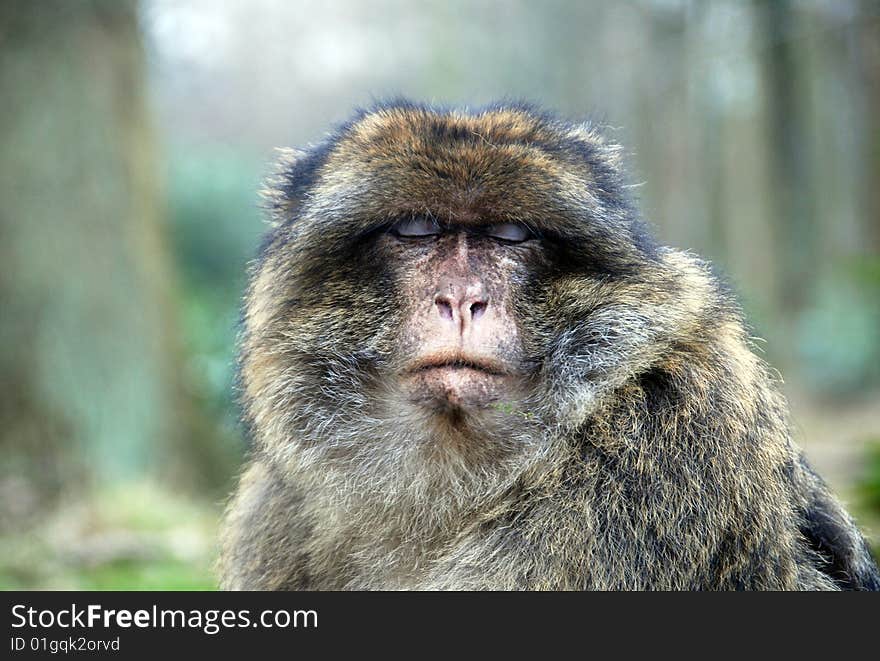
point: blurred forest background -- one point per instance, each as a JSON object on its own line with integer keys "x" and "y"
{"x": 133, "y": 138}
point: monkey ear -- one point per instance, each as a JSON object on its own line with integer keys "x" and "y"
{"x": 279, "y": 191}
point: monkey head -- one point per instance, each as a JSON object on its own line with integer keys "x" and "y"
{"x": 441, "y": 292}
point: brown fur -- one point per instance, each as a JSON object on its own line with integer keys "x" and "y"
{"x": 650, "y": 449}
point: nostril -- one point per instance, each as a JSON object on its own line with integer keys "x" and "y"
{"x": 477, "y": 310}
{"x": 444, "y": 308}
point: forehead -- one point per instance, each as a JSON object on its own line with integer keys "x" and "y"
{"x": 408, "y": 126}
{"x": 498, "y": 165}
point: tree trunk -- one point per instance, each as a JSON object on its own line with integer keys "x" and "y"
{"x": 89, "y": 390}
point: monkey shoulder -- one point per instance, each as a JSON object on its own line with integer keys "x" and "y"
{"x": 262, "y": 535}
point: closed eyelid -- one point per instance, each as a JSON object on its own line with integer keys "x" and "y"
{"x": 513, "y": 232}
{"x": 416, "y": 227}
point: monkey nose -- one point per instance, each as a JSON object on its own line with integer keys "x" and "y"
{"x": 464, "y": 310}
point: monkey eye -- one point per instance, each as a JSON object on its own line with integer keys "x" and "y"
{"x": 415, "y": 228}
{"x": 509, "y": 232}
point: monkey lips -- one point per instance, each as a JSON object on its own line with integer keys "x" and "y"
{"x": 458, "y": 381}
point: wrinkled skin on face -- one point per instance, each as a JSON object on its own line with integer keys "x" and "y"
{"x": 459, "y": 341}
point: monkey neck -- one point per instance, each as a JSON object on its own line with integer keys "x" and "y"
{"x": 389, "y": 532}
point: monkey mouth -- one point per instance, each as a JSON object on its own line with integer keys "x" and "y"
{"x": 446, "y": 382}
{"x": 485, "y": 365}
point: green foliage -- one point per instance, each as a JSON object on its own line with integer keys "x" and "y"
{"x": 839, "y": 334}
{"x": 133, "y": 537}
{"x": 870, "y": 484}
{"x": 215, "y": 225}
{"x": 158, "y": 575}
{"x": 215, "y": 216}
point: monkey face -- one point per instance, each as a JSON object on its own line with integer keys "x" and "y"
{"x": 459, "y": 341}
